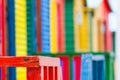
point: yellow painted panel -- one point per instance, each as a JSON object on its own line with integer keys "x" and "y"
{"x": 84, "y": 34}
{"x": 78, "y": 21}
{"x": 53, "y": 26}
{"x": 20, "y": 73}
{"x": 81, "y": 19}
{"x": 21, "y": 35}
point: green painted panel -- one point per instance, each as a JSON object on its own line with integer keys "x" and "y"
{"x": 29, "y": 27}
{"x": 69, "y": 26}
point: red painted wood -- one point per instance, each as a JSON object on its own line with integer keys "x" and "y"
{"x": 38, "y": 67}
{"x": 19, "y": 61}
{"x": 39, "y": 33}
{"x": 29, "y": 61}
{"x": 33, "y": 73}
{"x": 65, "y": 68}
{"x": 45, "y": 73}
{"x": 3, "y": 39}
{"x": 56, "y": 73}
{"x": 61, "y": 26}
{"x": 108, "y": 33}
{"x": 77, "y": 60}
{"x": 51, "y": 73}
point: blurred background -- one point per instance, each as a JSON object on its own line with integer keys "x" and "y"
{"x": 84, "y": 34}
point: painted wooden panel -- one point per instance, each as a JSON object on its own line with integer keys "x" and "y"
{"x": 45, "y": 26}
{"x": 78, "y": 20}
{"x": 53, "y": 26}
{"x": 108, "y": 33}
{"x": 21, "y": 35}
{"x": 38, "y": 26}
{"x": 69, "y": 26}
{"x": 61, "y": 25}
{"x": 3, "y": 36}
{"x": 11, "y": 36}
{"x": 84, "y": 34}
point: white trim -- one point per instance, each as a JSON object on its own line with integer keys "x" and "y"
{"x": 98, "y": 57}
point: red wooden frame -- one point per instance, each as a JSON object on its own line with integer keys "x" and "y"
{"x": 3, "y": 38}
{"x": 38, "y": 68}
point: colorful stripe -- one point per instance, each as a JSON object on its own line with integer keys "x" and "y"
{"x": 21, "y": 35}
{"x": 45, "y": 19}
{"x": 38, "y": 25}
{"x": 65, "y": 68}
{"x": 78, "y": 20}
{"x": 3, "y": 27}
{"x": 108, "y": 33}
{"x": 60, "y": 25}
{"x": 77, "y": 60}
{"x": 53, "y": 26}
{"x": 84, "y": 34}
{"x": 11, "y": 36}
{"x": 86, "y": 70}
{"x": 69, "y": 29}
{"x": 31, "y": 27}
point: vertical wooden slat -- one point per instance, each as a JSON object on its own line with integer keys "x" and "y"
{"x": 86, "y": 68}
{"x": 84, "y": 34}
{"x": 65, "y": 68}
{"x": 31, "y": 26}
{"x": 21, "y": 34}
{"x": 60, "y": 25}
{"x": 101, "y": 28}
{"x": 77, "y": 69}
{"x": 11, "y": 36}
{"x": 3, "y": 69}
{"x": 48, "y": 73}
{"x": 53, "y": 26}
{"x": 59, "y": 73}
{"x": 42, "y": 73}
{"x": 45, "y": 25}
{"x": 108, "y": 33}
{"x": 51, "y": 73}
{"x": 78, "y": 20}
{"x": 39, "y": 35}
{"x": 69, "y": 26}
{"x": 45, "y": 73}
{"x": 56, "y": 73}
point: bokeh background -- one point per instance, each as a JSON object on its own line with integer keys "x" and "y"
{"x": 84, "y": 34}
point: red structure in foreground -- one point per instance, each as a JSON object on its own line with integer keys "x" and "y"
{"x": 38, "y": 67}
{"x": 3, "y": 35}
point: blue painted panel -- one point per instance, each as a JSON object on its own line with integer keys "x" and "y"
{"x": 11, "y": 34}
{"x": 98, "y": 68}
{"x": 45, "y": 14}
{"x": 86, "y": 72}
{"x": 34, "y": 26}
